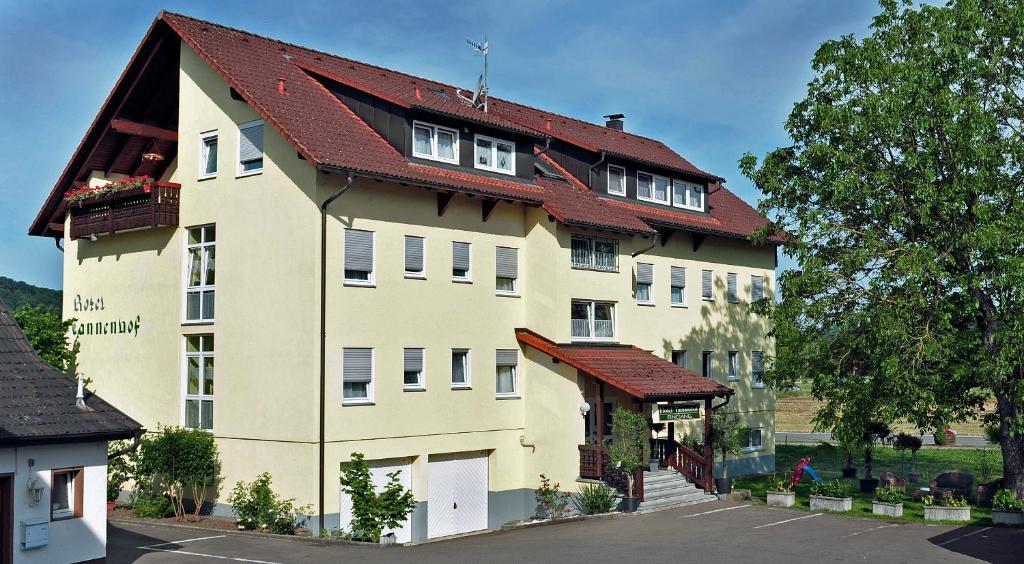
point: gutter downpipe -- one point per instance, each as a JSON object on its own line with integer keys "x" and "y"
{"x": 590, "y": 171}
{"x": 323, "y": 334}
{"x": 654, "y": 241}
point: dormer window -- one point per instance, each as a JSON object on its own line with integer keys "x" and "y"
{"x": 435, "y": 142}
{"x": 616, "y": 180}
{"x": 687, "y": 195}
{"x": 652, "y": 188}
{"x": 495, "y": 155}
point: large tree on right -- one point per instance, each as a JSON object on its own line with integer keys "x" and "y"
{"x": 902, "y": 197}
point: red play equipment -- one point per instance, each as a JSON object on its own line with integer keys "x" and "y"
{"x": 798, "y": 471}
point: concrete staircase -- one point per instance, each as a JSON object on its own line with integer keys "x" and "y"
{"x": 667, "y": 488}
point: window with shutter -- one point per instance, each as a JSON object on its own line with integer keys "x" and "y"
{"x": 644, "y": 283}
{"x": 730, "y": 283}
{"x": 756, "y": 287}
{"x": 412, "y": 360}
{"x": 461, "y": 262}
{"x": 678, "y": 281}
{"x": 357, "y": 375}
{"x": 250, "y": 148}
{"x": 757, "y": 369}
{"x": 506, "y": 270}
{"x": 706, "y": 285}
{"x": 506, "y": 372}
{"x": 414, "y": 257}
{"x": 359, "y": 257}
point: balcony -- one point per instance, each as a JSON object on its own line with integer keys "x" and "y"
{"x": 152, "y": 205}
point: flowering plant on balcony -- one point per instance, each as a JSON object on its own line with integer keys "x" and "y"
{"x": 130, "y": 183}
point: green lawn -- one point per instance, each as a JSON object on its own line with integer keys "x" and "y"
{"x": 930, "y": 462}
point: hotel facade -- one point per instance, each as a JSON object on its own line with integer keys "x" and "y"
{"x": 309, "y": 256}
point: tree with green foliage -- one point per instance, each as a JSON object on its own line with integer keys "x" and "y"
{"x": 17, "y": 294}
{"x": 373, "y": 512}
{"x": 180, "y": 461}
{"x": 48, "y": 335}
{"x": 901, "y": 197}
{"x": 631, "y": 447}
{"x": 726, "y": 437}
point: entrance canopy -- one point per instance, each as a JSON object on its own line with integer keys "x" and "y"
{"x": 628, "y": 368}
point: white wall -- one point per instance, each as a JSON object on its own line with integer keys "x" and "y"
{"x": 70, "y": 540}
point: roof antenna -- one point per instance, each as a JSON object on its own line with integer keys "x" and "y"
{"x": 479, "y": 99}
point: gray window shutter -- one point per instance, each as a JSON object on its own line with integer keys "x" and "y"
{"x": 250, "y": 143}
{"x": 679, "y": 276}
{"x": 507, "y": 264}
{"x": 460, "y": 255}
{"x": 413, "y": 254}
{"x": 757, "y": 287}
{"x": 357, "y": 365}
{"x": 757, "y": 361}
{"x": 413, "y": 359}
{"x": 506, "y": 357}
{"x": 706, "y": 284}
{"x": 358, "y": 250}
{"x": 731, "y": 286}
{"x": 644, "y": 273}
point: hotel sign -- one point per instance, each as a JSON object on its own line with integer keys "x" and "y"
{"x": 678, "y": 411}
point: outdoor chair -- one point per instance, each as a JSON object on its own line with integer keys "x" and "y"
{"x": 892, "y": 480}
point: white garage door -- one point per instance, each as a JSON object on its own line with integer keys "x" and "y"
{"x": 379, "y": 470}
{"x": 456, "y": 494}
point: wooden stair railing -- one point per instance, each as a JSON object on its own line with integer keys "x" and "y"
{"x": 691, "y": 465}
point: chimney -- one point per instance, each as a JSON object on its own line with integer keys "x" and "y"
{"x": 614, "y": 121}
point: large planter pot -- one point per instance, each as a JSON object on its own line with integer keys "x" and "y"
{"x": 782, "y": 499}
{"x": 825, "y": 503}
{"x": 655, "y": 465}
{"x": 1008, "y": 518}
{"x": 868, "y": 485}
{"x": 110, "y": 506}
{"x": 723, "y": 485}
{"x": 940, "y": 513}
{"x": 629, "y": 504}
{"x": 888, "y": 509}
{"x": 849, "y": 472}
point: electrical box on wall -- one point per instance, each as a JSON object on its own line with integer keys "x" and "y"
{"x": 34, "y": 534}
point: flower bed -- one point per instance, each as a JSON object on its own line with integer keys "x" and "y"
{"x": 836, "y": 504}
{"x": 82, "y": 194}
{"x": 887, "y": 509}
{"x": 943, "y": 513}
{"x": 781, "y": 499}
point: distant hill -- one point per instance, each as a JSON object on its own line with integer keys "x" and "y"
{"x": 16, "y": 294}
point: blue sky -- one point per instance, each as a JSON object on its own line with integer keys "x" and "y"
{"x": 713, "y": 79}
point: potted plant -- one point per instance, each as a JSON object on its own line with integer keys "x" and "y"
{"x": 876, "y": 431}
{"x": 1007, "y": 509}
{"x": 947, "y": 509}
{"x": 780, "y": 492}
{"x": 725, "y": 440}
{"x": 888, "y": 501}
{"x": 629, "y": 450}
{"x": 833, "y": 495}
{"x": 903, "y": 443}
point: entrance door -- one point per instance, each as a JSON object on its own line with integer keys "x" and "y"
{"x": 379, "y": 470}
{"x": 456, "y": 493}
{"x": 6, "y": 519}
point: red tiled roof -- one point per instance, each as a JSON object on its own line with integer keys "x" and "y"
{"x": 572, "y": 203}
{"x": 628, "y": 368}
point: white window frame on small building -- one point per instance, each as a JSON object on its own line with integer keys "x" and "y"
{"x": 492, "y": 164}
{"x": 619, "y": 190}
{"x": 355, "y": 263}
{"x": 208, "y": 144}
{"x": 421, "y": 382}
{"x": 242, "y": 141}
{"x": 506, "y": 358}
{"x": 434, "y": 155}
{"x": 467, "y": 366}
{"x": 203, "y": 353}
{"x": 204, "y": 292}
{"x": 688, "y": 190}
{"x": 590, "y": 261}
{"x": 358, "y": 400}
{"x": 591, "y": 322}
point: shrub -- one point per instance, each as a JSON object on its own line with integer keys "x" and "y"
{"x": 693, "y": 442}
{"x": 954, "y": 502}
{"x": 776, "y": 484}
{"x": 554, "y": 503}
{"x": 594, "y": 499}
{"x": 1007, "y": 501}
{"x": 149, "y": 504}
{"x": 888, "y": 494}
{"x": 178, "y": 460}
{"x": 120, "y": 468}
{"x": 373, "y": 512}
{"x": 256, "y": 506}
{"x": 831, "y": 488}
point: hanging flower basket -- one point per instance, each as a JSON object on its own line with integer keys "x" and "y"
{"x": 131, "y": 186}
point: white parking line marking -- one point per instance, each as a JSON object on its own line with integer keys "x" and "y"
{"x": 713, "y": 511}
{"x": 233, "y": 559}
{"x": 181, "y": 541}
{"x": 869, "y": 530}
{"x": 787, "y": 521}
{"x": 961, "y": 537}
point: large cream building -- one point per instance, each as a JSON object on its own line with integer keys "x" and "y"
{"x": 491, "y": 281}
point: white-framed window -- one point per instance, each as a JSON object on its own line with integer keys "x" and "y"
{"x": 595, "y": 253}
{"x": 756, "y": 287}
{"x": 706, "y": 285}
{"x": 250, "y": 148}
{"x": 678, "y": 289}
{"x": 506, "y": 267}
{"x": 199, "y": 378}
{"x": 707, "y": 364}
{"x": 652, "y": 188}
{"x": 679, "y": 358}
{"x": 757, "y": 369}
{"x": 506, "y": 377}
{"x": 644, "y": 283}
{"x": 200, "y": 273}
{"x": 616, "y": 180}
{"x": 687, "y": 195}
{"x": 495, "y": 155}
{"x": 356, "y": 376}
{"x": 592, "y": 320}
{"x": 461, "y": 369}
{"x": 66, "y": 493}
{"x": 462, "y": 262}
{"x": 413, "y": 369}
{"x": 434, "y": 142}
{"x": 414, "y": 257}
{"x": 207, "y": 154}
{"x": 730, "y": 288}
{"x": 752, "y": 439}
{"x": 359, "y": 257}
{"x": 734, "y": 365}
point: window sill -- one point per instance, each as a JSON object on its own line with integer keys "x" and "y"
{"x": 733, "y": 379}
{"x": 508, "y": 294}
{"x": 496, "y": 170}
{"x": 250, "y": 173}
{"x": 508, "y": 397}
{"x": 592, "y": 340}
{"x": 462, "y": 387}
{"x": 415, "y": 276}
{"x": 707, "y": 299}
{"x": 751, "y": 449}
{"x": 461, "y": 281}
{"x": 358, "y": 284}
{"x": 208, "y": 177}
{"x": 647, "y": 304}
{"x": 416, "y": 389}
{"x": 680, "y": 306}
{"x": 454, "y": 161}
{"x": 594, "y": 268}
{"x": 68, "y": 517}
{"x": 356, "y": 402}
{"x": 759, "y": 386}
{"x": 197, "y": 323}
{"x": 653, "y": 201}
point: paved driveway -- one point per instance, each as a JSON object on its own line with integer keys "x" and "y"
{"x": 713, "y": 532}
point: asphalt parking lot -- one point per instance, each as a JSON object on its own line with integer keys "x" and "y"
{"x": 715, "y": 532}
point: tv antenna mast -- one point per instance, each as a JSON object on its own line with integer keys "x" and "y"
{"x": 479, "y": 98}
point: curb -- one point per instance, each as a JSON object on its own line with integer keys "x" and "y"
{"x": 547, "y": 522}
{"x": 288, "y": 538}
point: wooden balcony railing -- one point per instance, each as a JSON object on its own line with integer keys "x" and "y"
{"x": 695, "y": 467}
{"x": 128, "y": 209}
